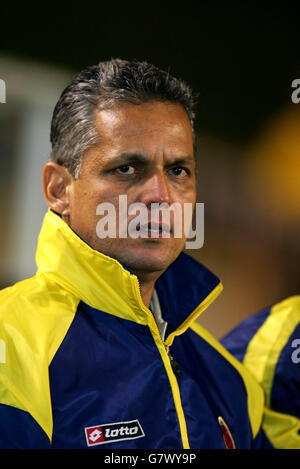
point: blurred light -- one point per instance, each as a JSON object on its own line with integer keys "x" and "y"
{"x": 272, "y": 168}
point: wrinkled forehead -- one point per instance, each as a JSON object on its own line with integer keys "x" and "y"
{"x": 157, "y": 124}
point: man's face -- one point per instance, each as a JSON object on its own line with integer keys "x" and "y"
{"x": 146, "y": 153}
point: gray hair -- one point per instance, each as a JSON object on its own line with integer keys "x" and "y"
{"x": 100, "y": 86}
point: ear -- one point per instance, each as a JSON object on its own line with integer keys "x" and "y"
{"x": 57, "y": 181}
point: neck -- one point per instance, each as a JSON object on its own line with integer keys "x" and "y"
{"x": 147, "y": 284}
{"x": 146, "y": 289}
{"x": 146, "y": 280}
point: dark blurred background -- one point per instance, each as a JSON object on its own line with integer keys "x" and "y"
{"x": 241, "y": 60}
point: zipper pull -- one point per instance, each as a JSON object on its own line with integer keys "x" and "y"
{"x": 175, "y": 366}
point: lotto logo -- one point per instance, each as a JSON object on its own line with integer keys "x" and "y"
{"x": 94, "y": 435}
{"x": 111, "y": 432}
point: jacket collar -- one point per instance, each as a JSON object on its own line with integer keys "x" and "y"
{"x": 185, "y": 289}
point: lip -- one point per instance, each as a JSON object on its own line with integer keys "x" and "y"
{"x": 155, "y": 230}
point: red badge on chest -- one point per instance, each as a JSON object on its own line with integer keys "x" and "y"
{"x": 227, "y": 437}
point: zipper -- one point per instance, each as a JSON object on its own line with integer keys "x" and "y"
{"x": 174, "y": 364}
{"x": 171, "y": 366}
{"x": 152, "y": 324}
{"x": 168, "y": 362}
{"x": 173, "y": 374}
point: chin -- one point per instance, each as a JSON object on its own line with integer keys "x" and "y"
{"x": 139, "y": 259}
{"x": 148, "y": 263}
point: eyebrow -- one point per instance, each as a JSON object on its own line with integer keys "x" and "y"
{"x": 126, "y": 158}
{"x": 139, "y": 158}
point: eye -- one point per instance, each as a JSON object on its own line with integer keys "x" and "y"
{"x": 179, "y": 171}
{"x": 125, "y": 169}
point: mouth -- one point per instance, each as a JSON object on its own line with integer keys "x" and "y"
{"x": 155, "y": 230}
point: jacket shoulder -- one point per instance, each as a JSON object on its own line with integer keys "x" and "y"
{"x": 270, "y": 345}
{"x": 35, "y": 315}
{"x": 36, "y": 290}
{"x": 273, "y": 356}
{"x": 33, "y": 307}
{"x": 237, "y": 340}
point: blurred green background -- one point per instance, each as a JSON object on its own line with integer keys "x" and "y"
{"x": 241, "y": 60}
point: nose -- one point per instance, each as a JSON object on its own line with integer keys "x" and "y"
{"x": 156, "y": 190}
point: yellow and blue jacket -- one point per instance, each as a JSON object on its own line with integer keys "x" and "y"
{"x": 83, "y": 365}
{"x": 268, "y": 344}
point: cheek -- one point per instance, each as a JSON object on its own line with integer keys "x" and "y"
{"x": 187, "y": 195}
{"x": 83, "y": 205}
{"x": 191, "y": 195}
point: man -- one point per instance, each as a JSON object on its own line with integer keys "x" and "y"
{"x": 101, "y": 349}
{"x": 268, "y": 343}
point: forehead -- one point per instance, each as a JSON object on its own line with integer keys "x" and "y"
{"x": 159, "y": 126}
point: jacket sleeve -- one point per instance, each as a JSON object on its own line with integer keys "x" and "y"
{"x": 238, "y": 339}
{"x": 18, "y": 430}
{"x": 265, "y": 344}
